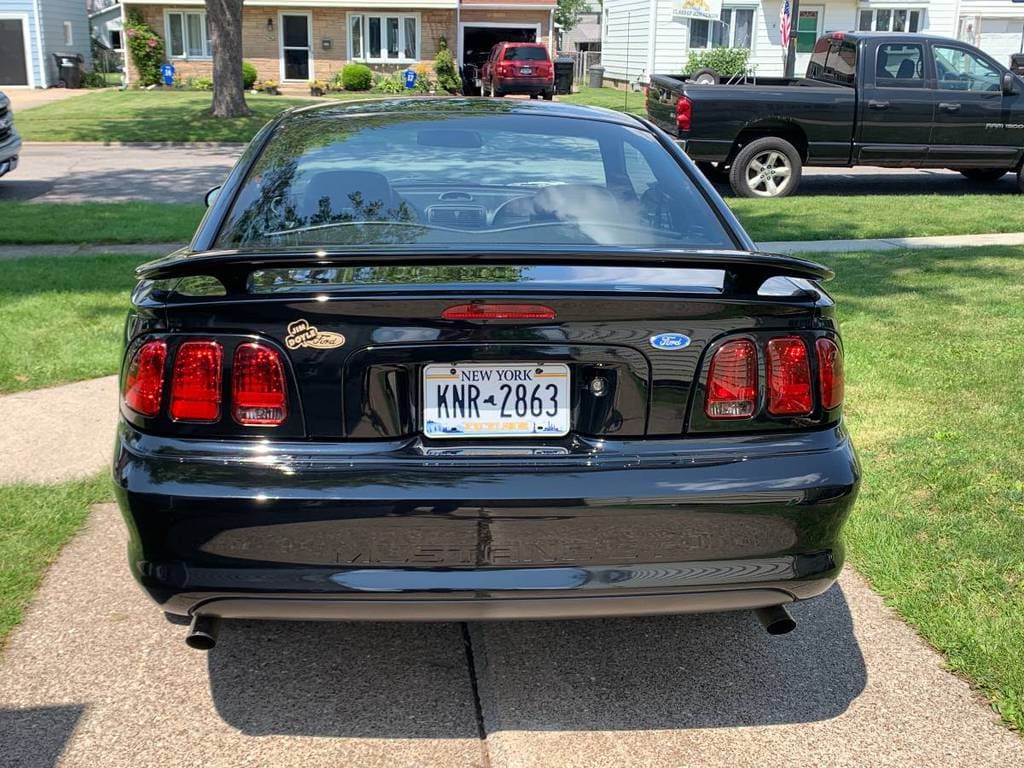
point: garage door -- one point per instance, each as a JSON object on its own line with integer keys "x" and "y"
{"x": 13, "y": 70}
{"x": 1001, "y": 37}
{"x": 477, "y": 41}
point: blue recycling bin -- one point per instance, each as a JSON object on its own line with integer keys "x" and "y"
{"x": 410, "y": 78}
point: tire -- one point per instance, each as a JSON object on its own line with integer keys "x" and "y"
{"x": 705, "y": 76}
{"x": 716, "y": 173}
{"x": 1020, "y": 179}
{"x": 748, "y": 176}
{"x": 534, "y": 96}
{"x": 983, "y": 174}
{"x": 549, "y": 95}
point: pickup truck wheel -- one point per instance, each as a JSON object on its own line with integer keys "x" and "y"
{"x": 983, "y": 174}
{"x": 768, "y": 167}
{"x": 1020, "y": 179}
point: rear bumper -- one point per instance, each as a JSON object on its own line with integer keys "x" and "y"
{"x": 515, "y": 85}
{"x": 399, "y": 531}
{"x": 9, "y": 148}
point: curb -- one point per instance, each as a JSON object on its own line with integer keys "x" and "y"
{"x": 13, "y": 252}
{"x": 142, "y": 144}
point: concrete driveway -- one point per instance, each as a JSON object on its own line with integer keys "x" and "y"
{"x": 26, "y": 98}
{"x": 182, "y": 174}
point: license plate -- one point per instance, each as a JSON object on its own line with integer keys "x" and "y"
{"x": 526, "y": 70}
{"x": 495, "y": 400}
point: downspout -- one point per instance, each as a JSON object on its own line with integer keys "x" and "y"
{"x": 43, "y": 72}
{"x": 652, "y": 37}
{"x": 551, "y": 31}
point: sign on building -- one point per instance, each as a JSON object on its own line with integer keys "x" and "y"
{"x": 698, "y": 9}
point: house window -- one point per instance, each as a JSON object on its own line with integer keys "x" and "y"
{"x": 383, "y": 38}
{"x": 115, "y": 39}
{"x": 889, "y": 19}
{"x": 734, "y": 30}
{"x": 187, "y": 35}
{"x": 69, "y": 34}
{"x": 807, "y": 30}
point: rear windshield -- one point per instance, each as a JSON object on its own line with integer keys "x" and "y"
{"x": 526, "y": 52}
{"x": 477, "y": 180}
{"x": 834, "y": 61}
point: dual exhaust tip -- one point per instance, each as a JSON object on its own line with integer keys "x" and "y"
{"x": 202, "y": 632}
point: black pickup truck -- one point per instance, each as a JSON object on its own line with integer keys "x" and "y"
{"x": 887, "y": 99}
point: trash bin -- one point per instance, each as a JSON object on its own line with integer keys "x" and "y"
{"x": 565, "y": 66}
{"x": 70, "y": 69}
{"x": 1017, "y": 63}
{"x": 596, "y": 76}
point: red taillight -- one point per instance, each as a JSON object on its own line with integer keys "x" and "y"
{"x": 684, "y": 113}
{"x": 499, "y": 312}
{"x": 732, "y": 381}
{"x": 789, "y": 377}
{"x": 830, "y": 373}
{"x": 144, "y": 382}
{"x": 504, "y": 70}
{"x": 259, "y": 395}
{"x": 195, "y": 381}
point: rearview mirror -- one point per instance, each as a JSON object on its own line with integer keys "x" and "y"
{"x": 211, "y": 195}
{"x": 1008, "y": 84}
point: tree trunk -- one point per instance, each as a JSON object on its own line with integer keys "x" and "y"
{"x": 225, "y": 17}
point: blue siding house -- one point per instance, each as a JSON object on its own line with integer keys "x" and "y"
{"x": 31, "y": 31}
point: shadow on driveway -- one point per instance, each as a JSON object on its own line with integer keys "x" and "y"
{"x": 36, "y": 736}
{"x": 678, "y": 672}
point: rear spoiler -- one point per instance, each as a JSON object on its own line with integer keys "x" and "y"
{"x": 745, "y": 271}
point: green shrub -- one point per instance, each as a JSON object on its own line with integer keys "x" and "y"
{"x": 249, "y": 75}
{"x": 356, "y": 77}
{"x": 444, "y": 69}
{"x": 725, "y": 61}
{"x": 390, "y": 84}
{"x": 201, "y": 83}
{"x": 94, "y": 79}
{"x": 146, "y": 49}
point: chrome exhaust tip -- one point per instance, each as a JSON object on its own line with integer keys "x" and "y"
{"x": 776, "y": 620}
{"x": 202, "y": 633}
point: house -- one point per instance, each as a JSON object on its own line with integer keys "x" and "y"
{"x": 107, "y": 26}
{"x": 585, "y": 36}
{"x": 299, "y": 40}
{"x": 641, "y": 37}
{"x": 31, "y": 31}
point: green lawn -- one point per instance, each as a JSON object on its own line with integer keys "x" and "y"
{"x": 35, "y": 522}
{"x": 936, "y": 407}
{"x": 862, "y": 216}
{"x": 97, "y": 223}
{"x": 61, "y": 318}
{"x": 145, "y": 116}
{"x": 610, "y": 98}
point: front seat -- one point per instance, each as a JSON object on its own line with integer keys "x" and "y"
{"x": 880, "y": 67}
{"x": 907, "y": 70}
{"x": 357, "y": 195}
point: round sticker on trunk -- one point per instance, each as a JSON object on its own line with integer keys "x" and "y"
{"x": 670, "y": 341}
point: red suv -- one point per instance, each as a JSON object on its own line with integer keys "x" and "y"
{"x": 518, "y": 68}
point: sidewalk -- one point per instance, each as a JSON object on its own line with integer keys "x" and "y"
{"x": 778, "y": 246}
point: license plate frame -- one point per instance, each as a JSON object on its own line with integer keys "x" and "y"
{"x": 526, "y": 70}
{"x": 442, "y": 417}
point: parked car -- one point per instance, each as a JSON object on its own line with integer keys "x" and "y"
{"x": 10, "y": 141}
{"x": 454, "y": 360}
{"x": 897, "y": 100}
{"x": 518, "y": 68}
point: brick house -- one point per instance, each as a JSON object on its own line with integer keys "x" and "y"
{"x": 294, "y": 41}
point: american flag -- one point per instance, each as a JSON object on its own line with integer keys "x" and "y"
{"x": 785, "y": 24}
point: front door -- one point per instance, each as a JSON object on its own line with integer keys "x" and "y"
{"x": 12, "y": 53}
{"x": 808, "y": 30}
{"x": 896, "y": 105}
{"x": 295, "y": 49}
{"x": 972, "y": 125}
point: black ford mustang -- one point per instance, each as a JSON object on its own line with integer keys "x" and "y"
{"x": 455, "y": 359}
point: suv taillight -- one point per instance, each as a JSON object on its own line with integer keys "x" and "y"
{"x": 684, "y": 113}
{"x": 144, "y": 382}
{"x": 732, "y": 381}
{"x": 196, "y": 381}
{"x": 830, "y": 373}
{"x": 258, "y": 390}
{"x": 789, "y": 377}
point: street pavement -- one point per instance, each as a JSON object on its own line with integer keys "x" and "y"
{"x": 183, "y": 173}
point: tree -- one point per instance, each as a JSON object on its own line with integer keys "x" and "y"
{"x": 225, "y": 19}
{"x": 569, "y": 12}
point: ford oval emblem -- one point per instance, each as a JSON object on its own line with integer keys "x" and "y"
{"x": 670, "y": 341}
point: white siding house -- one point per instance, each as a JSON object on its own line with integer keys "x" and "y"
{"x": 647, "y": 34}
{"x": 31, "y": 31}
